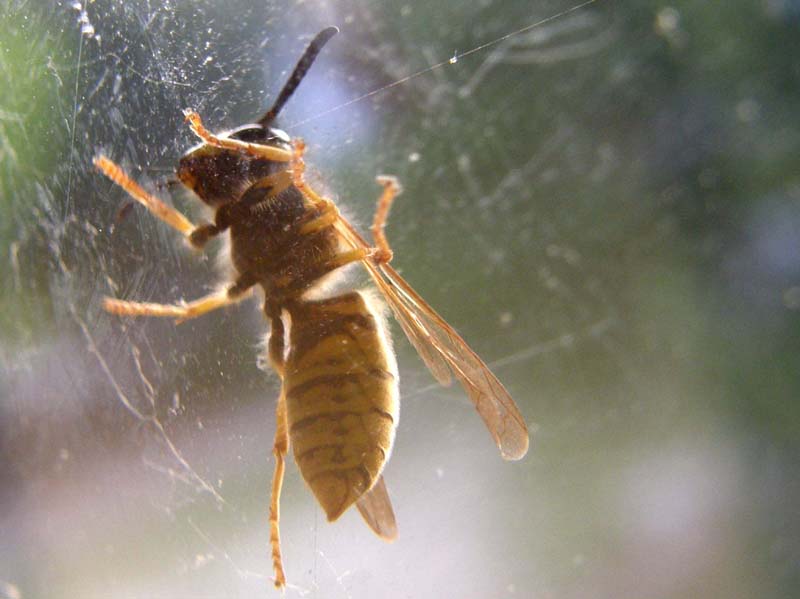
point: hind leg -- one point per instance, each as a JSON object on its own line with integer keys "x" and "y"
{"x": 279, "y": 449}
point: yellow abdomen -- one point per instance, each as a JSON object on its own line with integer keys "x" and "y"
{"x": 341, "y": 397}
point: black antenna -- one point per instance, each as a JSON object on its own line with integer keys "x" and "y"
{"x": 299, "y": 72}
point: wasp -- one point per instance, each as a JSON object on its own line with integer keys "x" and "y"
{"x": 338, "y": 405}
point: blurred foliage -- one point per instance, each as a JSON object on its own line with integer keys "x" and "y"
{"x": 35, "y": 75}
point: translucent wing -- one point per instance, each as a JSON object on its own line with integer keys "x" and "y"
{"x": 376, "y": 509}
{"x": 445, "y": 352}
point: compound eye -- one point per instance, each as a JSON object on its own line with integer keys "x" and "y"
{"x": 279, "y": 135}
{"x": 251, "y": 134}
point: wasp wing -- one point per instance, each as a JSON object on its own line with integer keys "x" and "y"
{"x": 376, "y": 509}
{"x": 444, "y": 351}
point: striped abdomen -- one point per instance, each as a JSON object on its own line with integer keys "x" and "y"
{"x": 341, "y": 397}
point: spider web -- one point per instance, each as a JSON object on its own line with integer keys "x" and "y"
{"x": 550, "y": 214}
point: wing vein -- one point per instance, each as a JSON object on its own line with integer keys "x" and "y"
{"x": 445, "y": 352}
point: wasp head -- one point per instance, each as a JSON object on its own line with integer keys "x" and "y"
{"x": 220, "y": 175}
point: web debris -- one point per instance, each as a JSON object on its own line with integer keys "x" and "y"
{"x": 449, "y": 62}
{"x": 542, "y": 46}
{"x": 151, "y": 418}
{"x": 87, "y": 30}
{"x": 241, "y": 572}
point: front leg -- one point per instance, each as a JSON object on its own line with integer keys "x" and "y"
{"x": 252, "y": 149}
{"x": 222, "y": 221}
{"x": 298, "y": 169}
{"x": 157, "y": 208}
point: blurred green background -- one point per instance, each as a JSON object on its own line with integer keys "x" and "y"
{"x": 606, "y": 206}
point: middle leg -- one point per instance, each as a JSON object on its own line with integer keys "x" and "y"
{"x": 381, "y": 252}
{"x": 185, "y": 310}
{"x": 391, "y": 189}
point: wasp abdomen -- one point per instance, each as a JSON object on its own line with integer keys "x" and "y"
{"x": 341, "y": 397}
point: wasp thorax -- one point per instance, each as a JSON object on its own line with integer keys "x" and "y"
{"x": 220, "y": 175}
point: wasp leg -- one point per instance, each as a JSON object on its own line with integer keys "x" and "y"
{"x": 159, "y": 209}
{"x": 257, "y": 150}
{"x": 328, "y": 216}
{"x": 182, "y": 311}
{"x": 382, "y": 252}
{"x": 298, "y": 172}
{"x": 349, "y": 256}
{"x": 279, "y": 449}
{"x": 391, "y": 189}
{"x": 205, "y": 231}
{"x": 197, "y": 235}
{"x": 262, "y": 190}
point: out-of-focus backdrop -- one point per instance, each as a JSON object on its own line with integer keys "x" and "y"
{"x": 606, "y": 206}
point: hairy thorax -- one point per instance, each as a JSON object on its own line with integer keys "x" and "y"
{"x": 269, "y": 241}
